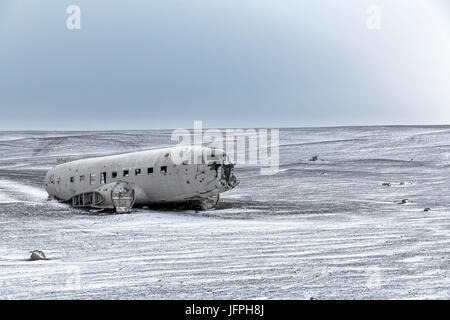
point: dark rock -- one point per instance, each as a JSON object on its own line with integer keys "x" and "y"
{"x": 37, "y": 255}
{"x": 427, "y": 209}
{"x": 315, "y": 158}
{"x": 395, "y": 184}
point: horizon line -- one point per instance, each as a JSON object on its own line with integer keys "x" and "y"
{"x": 206, "y": 128}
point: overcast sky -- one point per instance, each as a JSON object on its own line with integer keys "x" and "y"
{"x": 244, "y": 63}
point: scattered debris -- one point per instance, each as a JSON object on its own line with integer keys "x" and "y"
{"x": 395, "y": 184}
{"x": 315, "y": 158}
{"x": 37, "y": 255}
{"x": 405, "y": 201}
{"x": 427, "y": 209}
{"x": 96, "y": 210}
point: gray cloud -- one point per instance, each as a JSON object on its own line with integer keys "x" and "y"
{"x": 247, "y": 63}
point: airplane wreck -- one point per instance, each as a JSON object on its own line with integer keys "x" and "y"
{"x": 182, "y": 176}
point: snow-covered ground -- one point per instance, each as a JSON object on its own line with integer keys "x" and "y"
{"x": 326, "y": 229}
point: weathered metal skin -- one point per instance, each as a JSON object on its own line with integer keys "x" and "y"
{"x": 155, "y": 176}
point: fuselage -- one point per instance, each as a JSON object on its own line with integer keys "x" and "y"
{"x": 163, "y": 175}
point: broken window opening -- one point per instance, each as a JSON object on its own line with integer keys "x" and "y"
{"x": 137, "y": 172}
{"x": 163, "y": 169}
{"x": 81, "y": 178}
{"x": 126, "y": 173}
{"x": 103, "y": 178}
{"x": 114, "y": 174}
{"x": 92, "y": 178}
{"x": 72, "y": 179}
{"x": 149, "y": 170}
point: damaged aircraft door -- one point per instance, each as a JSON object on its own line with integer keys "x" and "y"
{"x": 122, "y": 197}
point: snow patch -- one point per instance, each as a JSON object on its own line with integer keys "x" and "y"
{"x": 5, "y": 199}
{"x": 32, "y": 193}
